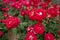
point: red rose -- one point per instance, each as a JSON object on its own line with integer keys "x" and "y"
{"x": 5, "y": 15}
{"x": 52, "y": 12}
{"x": 12, "y": 22}
{"x": 31, "y": 29}
{"x": 22, "y": 13}
{"x": 55, "y": 6}
{"x": 5, "y": 2}
{"x": 1, "y": 33}
{"x": 31, "y": 14}
{"x": 26, "y": 2}
{"x": 40, "y": 14}
{"x": 30, "y": 36}
{"x": 37, "y": 14}
{"x": 5, "y": 9}
{"x": 35, "y": 3}
{"x": 13, "y": 0}
{"x": 59, "y": 10}
{"x": 16, "y": 5}
{"x": 59, "y": 32}
{"x": 48, "y": 1}
{"x": 44, "y": 5}
{"x": 39, "y": 28}
{"x": 48, "y": 36}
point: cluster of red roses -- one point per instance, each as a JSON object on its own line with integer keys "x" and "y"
{"x": 34, "y": 13}
{"x": 19, "y": 3}
{"x": 38, "y": 28}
